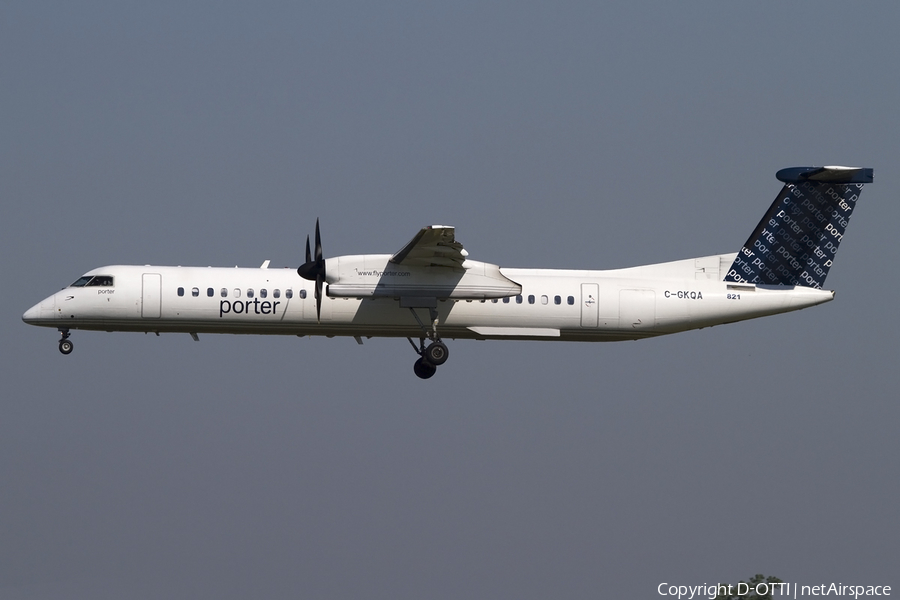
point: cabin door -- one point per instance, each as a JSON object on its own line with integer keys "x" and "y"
{"x": 590, "y": 304}
{"x": 151, "y": 296}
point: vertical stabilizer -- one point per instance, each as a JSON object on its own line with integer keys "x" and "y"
{"x": 795, "y": 242}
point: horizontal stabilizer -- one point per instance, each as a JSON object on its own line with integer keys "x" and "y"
{"x": 826, "y": 174}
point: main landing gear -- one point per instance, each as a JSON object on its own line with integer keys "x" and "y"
{"x": 65, "y": 345}
{"x": 430, "y": 357}
{"x": 434, "y": 354}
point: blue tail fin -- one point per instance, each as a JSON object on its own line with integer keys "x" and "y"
{"x": 797, "y": 239}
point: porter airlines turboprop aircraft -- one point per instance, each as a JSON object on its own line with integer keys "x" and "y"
{"x": 430, "y": 290}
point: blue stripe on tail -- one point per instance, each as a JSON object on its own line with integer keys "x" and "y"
{"x": 795, "y": 242}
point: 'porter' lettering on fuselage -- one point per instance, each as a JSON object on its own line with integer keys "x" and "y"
{"x": 238, "y": 307}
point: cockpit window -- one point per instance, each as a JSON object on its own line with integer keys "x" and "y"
{"x": 82, "y": 281}
{"x": 94, "y": 280}
{"x": 101, "y": 280}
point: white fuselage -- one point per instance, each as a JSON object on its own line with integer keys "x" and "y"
{"x": 620, "y": 304}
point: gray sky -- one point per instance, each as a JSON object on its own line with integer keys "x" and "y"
{"x": 551, "y": 135}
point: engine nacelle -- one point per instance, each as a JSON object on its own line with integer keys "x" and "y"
{"x": 374, "y": 276}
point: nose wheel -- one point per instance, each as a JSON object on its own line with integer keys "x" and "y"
{"x": 65, "y": 344}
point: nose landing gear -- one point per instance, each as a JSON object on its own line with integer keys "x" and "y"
{"x": 65, "y": 345}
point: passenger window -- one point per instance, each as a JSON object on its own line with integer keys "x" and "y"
{"x": 210, "y": 292}
{"x": 519, "y": 299}
{"x": 494, "y": 300}
{"x": 181, "y": 291}
{"x": 223, "y": 292}
{"x": 249, "y": 292}
{"x": 570, "y": 300}
{"x": 237, "y": 292}
{"x": 506, "y": 300}
{"x": 276, "y": 293}
{"x": 544, "y": 299}
{"x": 531, "y": 299}
{"x": 289, "y": 293}
{"x": 557, "y": 300}
{"x": 303, "y": 294}
{"x": 263, "y": 293}
{"x": 195, "y": 292}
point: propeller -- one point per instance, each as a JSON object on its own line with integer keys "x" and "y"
{"x": 314, "y": 270}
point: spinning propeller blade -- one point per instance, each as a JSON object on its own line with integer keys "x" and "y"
{"x": 314, "y": 270}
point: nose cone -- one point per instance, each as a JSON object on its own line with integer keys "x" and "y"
{"x": 32, "y": 315}
{"x": 41, "y": 313}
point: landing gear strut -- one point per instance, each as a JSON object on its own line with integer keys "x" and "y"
{"x": 65, "y": 345}
{"x": 433, "y": 355}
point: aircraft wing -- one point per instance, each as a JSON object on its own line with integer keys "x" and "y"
{"x": 433, "y": 246}
{"x": 431, "y": 267}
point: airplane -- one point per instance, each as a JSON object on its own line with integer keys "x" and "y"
{"x": 432, "y": 291}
